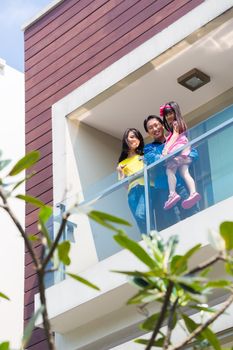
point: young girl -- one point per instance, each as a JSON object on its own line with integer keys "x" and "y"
{"x": 130, "y": 162}
{"x": 175, "y": 124}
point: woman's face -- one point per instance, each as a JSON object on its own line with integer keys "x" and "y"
{"x": 132, "y": 141}
{"x": 170, "y": 117}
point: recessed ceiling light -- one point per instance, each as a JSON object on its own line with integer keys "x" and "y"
{"x": 193, "y": 79}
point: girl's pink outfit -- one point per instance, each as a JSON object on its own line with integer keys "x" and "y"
{"x": 179, "y": 160}
{"x": 181, "y": 141}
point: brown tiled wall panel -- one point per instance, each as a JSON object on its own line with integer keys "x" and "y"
{"x": 37, "y": 190}
{"x": 40, "y": 130}
{"x": 29, "y": 270}
{"x": 38, "y": 119}
{"x": 28, "y": 312}
{"x": 42, "y": 163}
{"x": 38, "y": 252}
{"x": 38, "y": 336}
{"x": 49, "y": 18}
{"x": 29, "y": 296}
{"x": 65, "y": 48}
{"x": 80, "y": 33}
{"x": 99, "y": 46}
{"x": 66, "y": 21}
{"x": 39, "y": 177}
{"x": 30, "y": 283}
{"x": 43, "y": 345}
{"x": 44, "y": 150}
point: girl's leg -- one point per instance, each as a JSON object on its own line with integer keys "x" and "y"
{"x": 185, "y": 174}
{"x": 194, "y": 197}
{"x": 173, "y": 196}
{"x": 171, "y": 178}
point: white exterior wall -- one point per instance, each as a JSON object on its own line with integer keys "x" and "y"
{"x": 11, "y": 247}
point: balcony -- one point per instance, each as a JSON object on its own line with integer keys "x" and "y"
{"x": 211, "y": 167}
{"x": 94, "y": 252}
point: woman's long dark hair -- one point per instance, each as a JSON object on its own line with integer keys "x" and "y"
{"x": 180, "y": 120}
{"x": 125, "y": 146}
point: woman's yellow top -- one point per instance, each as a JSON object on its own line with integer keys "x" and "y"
{"x": 131, "y": 166}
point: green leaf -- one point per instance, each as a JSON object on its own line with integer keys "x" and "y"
{"x": 229, "y": 267}
{"x": 154, "y": 245}
{"x": 219, "y": 284}
{"x": 105, "y": 219}
{"x": 23, "y": 180}
{"x": 140, "y": 282}
{"x": 5, "y": 345}
{"x": 4, "y": 163}
{"x": 44, "y": 215}
{"x": 32, "y": 200}
{"x": 206, "y": 334}
{"x": 30, "y": 326}
{"x": 102, "y": 222}
{"x": 33, "y": 238}
{"x": 211, "y": 337}
{"x": 157, "y": 343}
{"x": 178, "y": 265}
{"x": 145, "y": 297}
{"x": 135, "y": 249}
{"x": 82, "y": 280}
{"x": 192, "y": 251}
{"x": 25, "y": 163}
{"x": 202, "y": 308}
{"x": 226, "y": 231}
{"x": 154, "y": 273}
{"x": 191, "y": 326}
{"x": 205, "y": 272}
{"x": 170, "y": 250}
{"x": 63, "y": 252}
{"x": 150, "y": 322}
{"x": 4, "y": 296}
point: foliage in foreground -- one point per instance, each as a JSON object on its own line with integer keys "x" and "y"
{"x": 180, "y": 290}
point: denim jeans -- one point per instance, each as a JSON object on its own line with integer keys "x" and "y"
{"x": 137, "y": 205}
{"x": 136, "y": 201}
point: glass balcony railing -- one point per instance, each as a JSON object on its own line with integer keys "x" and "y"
{"x": 140, "y": 199}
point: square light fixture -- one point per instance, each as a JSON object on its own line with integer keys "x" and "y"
{"x": 193, "y": 79}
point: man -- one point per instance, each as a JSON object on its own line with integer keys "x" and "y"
{"x": 153, "y": 125}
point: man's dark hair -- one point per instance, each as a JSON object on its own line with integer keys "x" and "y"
{"x": 149, "y": 118}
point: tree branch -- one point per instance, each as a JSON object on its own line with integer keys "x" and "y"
{"x": 201, "y": 328}
{"x": 21, "y": 230}
{"x": 170, "y": 324}
{"x": 46, "y": 323}
{"x": 162, "y": 315}
{"x": 206, "y": 264}
{"x": 55, "y": 242}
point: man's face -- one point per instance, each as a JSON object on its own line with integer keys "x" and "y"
{"x": 155, "y": 130}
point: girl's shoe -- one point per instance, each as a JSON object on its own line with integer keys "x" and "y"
{"x": 172, "y": 200}
{"x": 191, "y": 200}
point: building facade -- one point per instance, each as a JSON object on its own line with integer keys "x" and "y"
{"x": 94, "y": 68}
{"x": 12, "y": 247}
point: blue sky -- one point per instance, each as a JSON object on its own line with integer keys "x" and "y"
{"x": 13, "y": 14}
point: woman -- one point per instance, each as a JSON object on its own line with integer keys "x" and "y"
{"x": 130, "y": 162}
